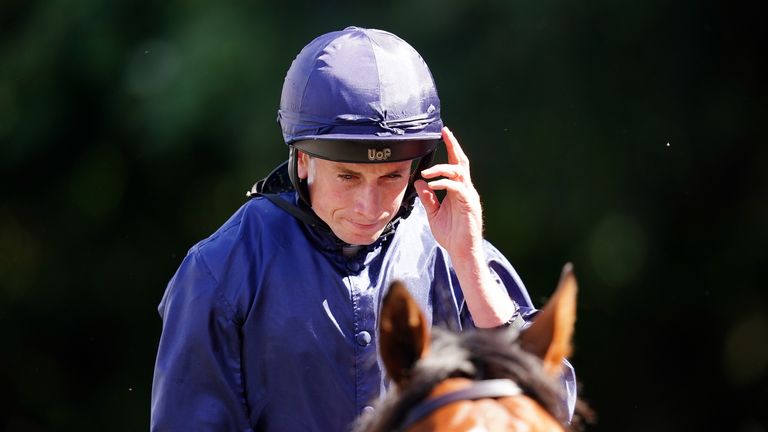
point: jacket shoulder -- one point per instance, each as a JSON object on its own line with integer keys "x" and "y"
{"x": 255, "y": 229}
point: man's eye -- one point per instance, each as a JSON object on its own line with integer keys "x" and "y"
{"x": 346, "y": 176}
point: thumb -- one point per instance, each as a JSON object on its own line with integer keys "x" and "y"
{"x": 427, "y": 196}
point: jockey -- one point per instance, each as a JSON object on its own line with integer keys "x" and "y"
{"x": 270, "y": 323}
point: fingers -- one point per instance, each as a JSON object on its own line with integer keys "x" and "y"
{"x": 426, "y": 190}
{"x": 455, "y": 153}
{"x": 455, "y": 178}
{"x": 447, "y": 185}
{"x": 457, "y": 167}
{"x": 453, "y": 172}
{"x": 427, "y": 196}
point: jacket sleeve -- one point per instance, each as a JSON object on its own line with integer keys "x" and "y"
{"x": 505, "y": 274}
{"x": 197, "y": 383}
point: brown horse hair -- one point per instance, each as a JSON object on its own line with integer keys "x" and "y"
{"x": 478, "y": 354}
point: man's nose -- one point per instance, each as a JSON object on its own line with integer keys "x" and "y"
{"x": 367, "y": 202}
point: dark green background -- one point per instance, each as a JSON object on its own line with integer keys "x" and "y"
{"x": 625, "y": 136}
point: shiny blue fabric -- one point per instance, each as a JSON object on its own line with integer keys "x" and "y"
{"x": 267, "y": 326}
{"x": 359, "y": 84}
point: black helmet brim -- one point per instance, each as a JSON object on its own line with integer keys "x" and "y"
{"x": 366, "y": 151}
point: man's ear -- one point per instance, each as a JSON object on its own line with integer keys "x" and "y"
{"x": 303, "y": 164}
{"x": 549, "y": 337}
{"x": 403, "y": 333}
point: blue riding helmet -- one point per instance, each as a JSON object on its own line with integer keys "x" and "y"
{"x": 359, "y": 95}
{"x": 359, "y": 84}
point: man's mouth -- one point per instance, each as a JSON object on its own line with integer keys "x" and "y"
{"x": 365, "y": 226}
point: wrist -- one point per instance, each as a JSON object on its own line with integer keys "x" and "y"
{"x": 516, "y": 321}
{"x": 469, "y": 255}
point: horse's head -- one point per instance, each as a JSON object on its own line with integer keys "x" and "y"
{"x": 492, "y": 379}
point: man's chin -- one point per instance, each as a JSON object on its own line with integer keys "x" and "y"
{"x": 358, "y": 239}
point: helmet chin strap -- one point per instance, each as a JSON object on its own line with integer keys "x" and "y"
{"x": 293, "y": 174}
{"x": 425, "y": 162}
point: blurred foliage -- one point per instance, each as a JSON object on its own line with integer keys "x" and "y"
{"x": 623, "y": 136}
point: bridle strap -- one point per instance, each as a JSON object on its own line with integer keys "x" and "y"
{"x": 486, "y": 389}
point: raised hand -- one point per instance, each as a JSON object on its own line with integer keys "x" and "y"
{"x": 457, "y": 221}
{"x": 457, "y": 224}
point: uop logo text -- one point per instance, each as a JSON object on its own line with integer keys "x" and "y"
{"x": 379, "y": 155}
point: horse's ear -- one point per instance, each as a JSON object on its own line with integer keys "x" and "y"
{"x": 549, "y": 337}
{"x": 403, "y": 332}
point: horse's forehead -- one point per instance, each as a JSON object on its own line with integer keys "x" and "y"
{"x": 516, "y": 413}
{"x": 528, "y": 415}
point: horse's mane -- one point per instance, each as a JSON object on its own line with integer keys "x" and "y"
{"x": 474, "y": 354}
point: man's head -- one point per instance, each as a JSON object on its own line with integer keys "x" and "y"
{"x": 356, "y": 201}
{"x": 360, "y": 101}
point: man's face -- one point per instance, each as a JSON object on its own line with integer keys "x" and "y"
{"x": 355, "y": 200}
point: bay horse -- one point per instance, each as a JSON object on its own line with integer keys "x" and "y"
{"x": 477, "y": 380}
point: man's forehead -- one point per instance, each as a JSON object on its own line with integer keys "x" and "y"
{"x": 367, "y": 168}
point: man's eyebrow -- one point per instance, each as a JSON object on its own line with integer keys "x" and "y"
{"x": 344, "y": 170}
{"x": 403, "y": 170}
{"x": 341, "y": 169}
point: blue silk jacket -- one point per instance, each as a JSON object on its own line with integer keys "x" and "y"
{"x": 267, "y": 326}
